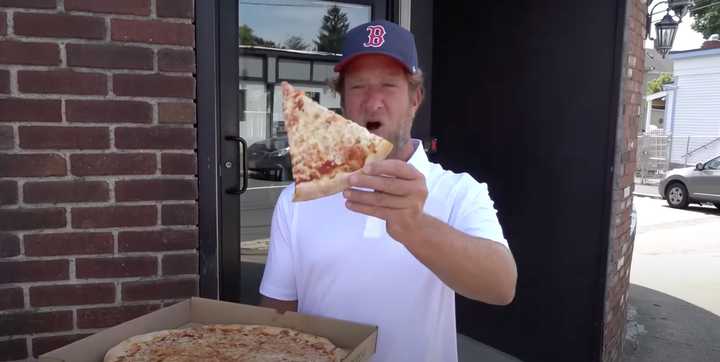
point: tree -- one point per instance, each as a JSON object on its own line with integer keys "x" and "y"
{"x": 332, "y": 31}
{"x": 296, "y": 43}
{"x": 656, "y": 84}
{"x": 247, "y": 37}
{"x": 707, "y": 20}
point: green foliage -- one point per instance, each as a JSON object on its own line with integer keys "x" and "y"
{"x": 655, "y": 85}
{"x": 332, "y": 31}
{"x": 707, "y": 20}
{"x": 247, "y": 37}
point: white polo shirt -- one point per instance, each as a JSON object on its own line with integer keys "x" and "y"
{"x": 341, "y": 264}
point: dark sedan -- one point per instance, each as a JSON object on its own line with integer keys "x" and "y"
{"x": 270, "y": 159}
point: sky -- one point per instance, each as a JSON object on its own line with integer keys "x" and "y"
{"x": 685, "y": 38}
{"x": 293, "y": 17}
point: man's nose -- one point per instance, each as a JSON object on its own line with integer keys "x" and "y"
{"x": 374, "y": 99}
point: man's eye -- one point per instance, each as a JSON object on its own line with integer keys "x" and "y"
{"x": 389, "y": 85}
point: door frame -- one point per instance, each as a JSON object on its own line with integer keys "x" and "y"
{"x": 215, "y": 89}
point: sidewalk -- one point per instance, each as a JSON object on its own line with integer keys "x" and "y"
{"x": 662, "y": 328}
{"x": 647, "y": 189}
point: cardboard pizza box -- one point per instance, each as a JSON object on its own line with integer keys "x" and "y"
{"x": 358, "y": 338}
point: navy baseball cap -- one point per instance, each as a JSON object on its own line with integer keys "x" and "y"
{"x": 380, "y": 37}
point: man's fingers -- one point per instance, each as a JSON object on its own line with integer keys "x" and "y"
{"x": 395, "y": 168}
{"x": 388, "y": 185}
{"x": 377, "y": 199}
{"x": 378, "y": 212}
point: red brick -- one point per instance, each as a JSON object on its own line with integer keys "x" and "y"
{"x": 180, "y": 264}
{"x": 121, "y": 267}
{"x": 36, "y": 322}
{"x": 41, "y": 345}
{"x": 179, "y": 164}
{"x": 9, "y": 245}
{"x": 113, "y": 164}
{"x": 17, "y": 52}
{"x": 108, "y": 111}
{"x": 153, "y": 85}
{"x": 8, "y": 192}
{"x": 111, "y": 316}
{"x": 147, "y": 190}
{"x": 13, "y": 349}
{"x": 176, "y": 60}
{"x": 51, "y": 137}
{"x": 155, "y": 138}
{"x": 33, "y": 271}
{"x": 176, "y": 112}
{"x": 35, "y": 165}
{"x": 127, "y": 7}
{"x": 59, "y": 26}
{"x": 68, "y": 244}
{"x": 32, "y": 219}
{"x": 164, "y": 240}
{"x": 7, "y": 138}
{"x": 33, "y": 4}
{"x": 11, "y": 298}
{"x": 30, "y": 110}
{"x": 114, "y": 216}
{"x": 76, "y": 294}
{"x": 153, "y": 32}
{"x": 159, "y": 289}
{"x": 65, "y": 191}
{"x": 3, "y": 23}
{"x": 4, "y": 81}
{"x": 62, "y": 81}
{"x": 175, "y": 8}
{"x": 109, "y": 56}
{"x": 180, "y": 214}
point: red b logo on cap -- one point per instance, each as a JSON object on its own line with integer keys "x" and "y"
{"x": 376, "y": 36}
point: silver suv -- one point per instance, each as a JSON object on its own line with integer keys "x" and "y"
{"x": 699, "y": 184}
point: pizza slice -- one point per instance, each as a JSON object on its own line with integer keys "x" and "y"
{"x": 325, "y": 148}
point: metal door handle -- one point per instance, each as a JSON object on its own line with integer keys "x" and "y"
{"x": 239, "y": 190}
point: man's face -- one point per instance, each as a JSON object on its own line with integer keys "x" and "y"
{"x": 376, "y": 96}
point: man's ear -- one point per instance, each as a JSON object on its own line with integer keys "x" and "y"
{"x": 416, "y": 99}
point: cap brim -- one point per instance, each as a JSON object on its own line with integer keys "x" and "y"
{"x": 340, "y": 66}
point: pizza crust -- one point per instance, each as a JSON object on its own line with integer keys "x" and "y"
{"x": 118, "y": 352}
{"x": 245, "y": 343}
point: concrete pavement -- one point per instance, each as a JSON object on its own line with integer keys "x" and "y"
{"x": 674, "y": 302}
{"x": 648, "y": 188}
{"x": 662, "y": 328}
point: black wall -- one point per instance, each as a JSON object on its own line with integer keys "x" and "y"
{"x": 526, "y": 98}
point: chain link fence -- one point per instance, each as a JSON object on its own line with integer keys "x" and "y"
{"x": 657, "y": 153}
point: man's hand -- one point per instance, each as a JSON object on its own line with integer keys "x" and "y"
{"x": 399, "y": 196}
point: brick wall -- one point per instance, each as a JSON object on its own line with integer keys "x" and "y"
{"x": 620, "y": 246}
{"x": 98, "y": 188}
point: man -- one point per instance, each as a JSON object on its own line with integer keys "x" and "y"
{"x": 394, "y": 256}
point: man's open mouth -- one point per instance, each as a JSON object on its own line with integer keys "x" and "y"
{"x": 371, "y": 126}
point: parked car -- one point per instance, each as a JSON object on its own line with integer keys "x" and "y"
{"x": 270, "y": 159}
{"x": 699, "y": 184}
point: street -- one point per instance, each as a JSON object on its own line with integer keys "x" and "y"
{"x": 674, "y": 310}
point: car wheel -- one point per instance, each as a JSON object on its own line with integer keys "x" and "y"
{"x": 677, "y": 196}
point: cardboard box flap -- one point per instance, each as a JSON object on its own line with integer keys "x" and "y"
{"x": 93, "y": 348}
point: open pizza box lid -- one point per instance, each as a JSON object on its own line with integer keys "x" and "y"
{"x": 360, "y": 339}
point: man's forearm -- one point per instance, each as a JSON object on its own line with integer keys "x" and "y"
{"x": 476, "y": 268}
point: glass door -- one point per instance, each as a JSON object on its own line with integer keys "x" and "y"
{"x": 262, "y": 43}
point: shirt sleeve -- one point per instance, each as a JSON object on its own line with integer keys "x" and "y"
{"x": 476, "y": 214}
{"x": 278, "y": 280}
